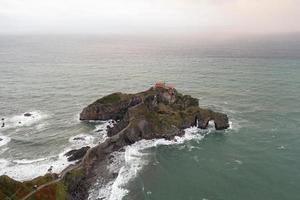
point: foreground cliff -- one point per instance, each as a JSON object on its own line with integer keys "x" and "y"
{"x": 160, "y": 112}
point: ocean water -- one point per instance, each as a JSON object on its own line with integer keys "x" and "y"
{"x": 255, "y": 80}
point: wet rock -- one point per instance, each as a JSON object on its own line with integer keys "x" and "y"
{"x": 3, "y": 124}
{"x": 113, "y": 106}
{"x": 78, "y": 138}
{"x": 77, "y": 154}
{"x": 27, "y": 114}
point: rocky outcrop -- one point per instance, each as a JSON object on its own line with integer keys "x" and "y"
{"x": 27, "y": 114}
{"x": 156, "y": 113}
{"x": 113, "y": 106}
{"x": 77, "y": 154}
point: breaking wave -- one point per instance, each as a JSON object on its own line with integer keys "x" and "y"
{"x": 129, "y": 163}
{"x": 22, "y": 120}
{"x": 4, "y": 140}
{"x": 26, "y": 169}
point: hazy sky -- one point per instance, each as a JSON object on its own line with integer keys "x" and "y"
{"x": 149, "y": 16}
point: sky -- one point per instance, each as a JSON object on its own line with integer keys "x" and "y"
{"x": 149, "y": 16}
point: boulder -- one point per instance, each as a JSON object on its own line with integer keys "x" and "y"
{"x": 77, "y": 154}
{"x": 27, "y": 114}
{"x": 78, "y": 138}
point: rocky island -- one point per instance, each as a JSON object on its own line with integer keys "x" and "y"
{"x": 159, "y": 112}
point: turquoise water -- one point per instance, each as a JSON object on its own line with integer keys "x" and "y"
{"x": 255, "y": 81}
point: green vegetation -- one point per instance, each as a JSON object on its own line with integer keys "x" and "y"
{"x": 15, "y": 190}
{"x": 112, "y": 98}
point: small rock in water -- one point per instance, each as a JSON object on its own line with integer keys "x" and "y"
{"x": 77, "y": 154}
{"x": 78, "y": 138}
{"x": 1, "y": 139}
{"x": 27, "y": 114}
{"x": 3, "y": 124}
{"x": 20, "y": 122}
{"x": 50, "y": 169}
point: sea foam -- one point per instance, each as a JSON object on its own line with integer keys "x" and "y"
{"x": 21, "y": 120}
{"x": 26, "y": 169}
{"x": 4, "y": 140}
{"x": 131, "y": 162}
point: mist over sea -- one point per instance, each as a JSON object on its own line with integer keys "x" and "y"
{"x": 255, "y": 80}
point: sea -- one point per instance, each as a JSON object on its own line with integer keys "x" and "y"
{"x": 255, "y": 80}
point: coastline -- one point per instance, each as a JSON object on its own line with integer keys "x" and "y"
{"x": 160, "y": 114}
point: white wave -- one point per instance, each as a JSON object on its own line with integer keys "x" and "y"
{"x": 230, "y": 125}
{"x": 41, "y": 126}
{"x": 2, "y": 150}
{"x": 4, "y": 140}
{"x": 25, "y": 161}
{"x": 22, "y": 120}
{"x": 98, "y": 135}
{"x": 238, "y": 162}
{"x": 81, "y": 140}
{"x": 134, "y": 160}
{"x": 281, "y": 147}
{"x": 234, "y": 125}
{"x": 3, "y": 163}
{"x": 24, "y": 169}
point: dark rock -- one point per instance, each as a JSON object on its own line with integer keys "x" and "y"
{"x": 78, "y": 138}
{"x": 115, "y": 175}
{"x": 27, "y": 114}
{"x": 221, "y": 121}
{"x": 1, "y": 139}
{"x": 77, "y": 154}
{"x": 113, "y": 106}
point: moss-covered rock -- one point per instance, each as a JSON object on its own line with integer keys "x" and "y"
{"x": 164, "y": 111}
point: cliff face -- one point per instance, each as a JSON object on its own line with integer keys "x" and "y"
{"x": 155, "y": 113}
